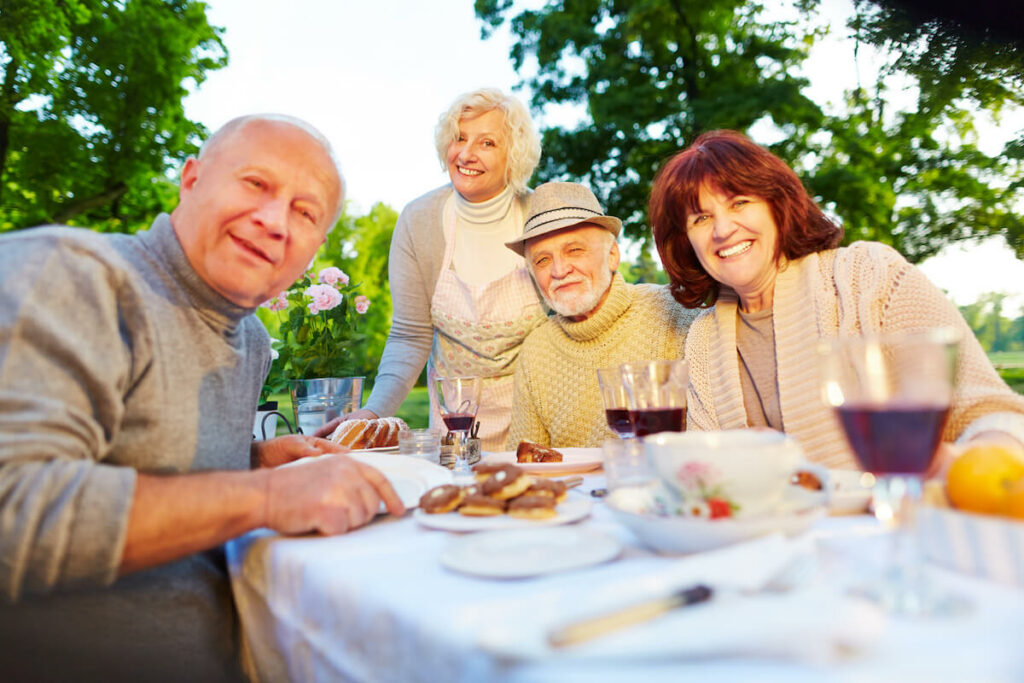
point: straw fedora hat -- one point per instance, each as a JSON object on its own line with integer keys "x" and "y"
{"x": 557, "y": 206}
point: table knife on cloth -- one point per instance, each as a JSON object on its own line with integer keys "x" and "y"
{"x": 592, "y": 627}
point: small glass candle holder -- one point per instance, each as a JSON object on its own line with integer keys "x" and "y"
{"x": 421, "y": 443}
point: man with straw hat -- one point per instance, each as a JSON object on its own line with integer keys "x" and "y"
{"x": 600, "y": 321}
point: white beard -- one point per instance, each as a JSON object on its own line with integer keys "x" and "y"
{"x": 580, "y": 303}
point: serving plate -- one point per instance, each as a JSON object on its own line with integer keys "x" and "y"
{"x": 382, "y": 449}
{"x": 518, "y": 553}
{"x": 573, "y": 509}
{"x": 574, "y": 460}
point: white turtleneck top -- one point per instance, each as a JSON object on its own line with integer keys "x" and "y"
{"x": 481, "y": 230}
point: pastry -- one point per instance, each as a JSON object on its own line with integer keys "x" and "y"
{"x": 533, "y": 452}
{"x": 379, "y": 432}
{"x": 552, "y": 488}
{"x": 441, "y": 499}
{"x": 484, "y": 470}
{"x": 479, "y": 505}
{"x": 532, "y": 507}
{"x": 807, "y": 479}
{"x": 508, "y": 481}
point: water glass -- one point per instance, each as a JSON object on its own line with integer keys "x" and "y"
{"x": 421, "y": 443}
{"x": 626, "y": 464}
{"x": 315, "y": 402}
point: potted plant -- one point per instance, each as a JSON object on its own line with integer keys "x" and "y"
{"x": 316, "y": 326}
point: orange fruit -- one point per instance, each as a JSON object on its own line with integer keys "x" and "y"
{"x": 1015, "y": 500}
{"x": 980, "y": 480}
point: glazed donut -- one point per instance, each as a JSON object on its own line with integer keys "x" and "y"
{"x": 508, "y": 481}
{"x": 552, "y": 488}
{"x": 484, "y": 470}
{"x": 532, "y": 507}
{"x": 441, "y": 499}
{"x": 479, "y": 505}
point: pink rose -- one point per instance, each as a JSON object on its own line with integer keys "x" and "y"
{"x": 325, "y": 297}
{"x": 362, "y": 304}
{"x": 278, "y": 303}
{"x": 332, "y": 275}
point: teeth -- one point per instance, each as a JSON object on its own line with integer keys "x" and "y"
{"x": 469, "y": 171}
{"x": 737, "y": 249}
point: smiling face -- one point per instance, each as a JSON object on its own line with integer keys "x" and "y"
{"x": 254, "y": 209}
{"x": 574, "y": 268}
{"x": 478, "y": 157}
{"x": 734, "y": 239}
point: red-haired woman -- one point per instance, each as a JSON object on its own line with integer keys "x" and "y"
{"x": 736, "y": 230}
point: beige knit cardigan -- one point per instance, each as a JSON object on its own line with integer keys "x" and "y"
{"x": 866, "y": 287}
{"x": 557, "y": 398}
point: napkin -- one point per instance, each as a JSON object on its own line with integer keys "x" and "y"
{"x": 812, "y": 622}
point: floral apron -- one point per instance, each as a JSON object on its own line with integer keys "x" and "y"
{"x": 478, "y": 331}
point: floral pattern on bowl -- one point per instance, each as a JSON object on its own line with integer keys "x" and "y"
{"x": 703, "y": 493}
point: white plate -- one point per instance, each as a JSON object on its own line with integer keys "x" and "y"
{"x": 677, "y": 534}
{"x": 382, "y": 449}
{"x": 573, "y": 509}
{"x": 528, "y": 552}
{"x": 410, "y": 477}
{"x": 573, "y": 460}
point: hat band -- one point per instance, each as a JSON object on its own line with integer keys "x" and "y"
{"x": 532, "y": 224}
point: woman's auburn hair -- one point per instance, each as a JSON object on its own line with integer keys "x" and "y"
{"x": 523, "y": 141}
{"x": 729, "y": 162}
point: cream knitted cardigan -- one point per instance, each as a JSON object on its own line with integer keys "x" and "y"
{"x": 557, "y": 397}
{"x": 866, "y": 287}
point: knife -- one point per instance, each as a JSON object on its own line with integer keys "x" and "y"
{"x": 592, "y": 627}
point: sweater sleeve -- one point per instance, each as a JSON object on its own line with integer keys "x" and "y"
{"x": 412, "y": 331}
{"x": 66, "y": 360}
{"x": 982, "y": 400}
{"x": 526, "y": 424}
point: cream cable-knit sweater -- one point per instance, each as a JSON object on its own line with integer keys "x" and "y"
{"x": 557, "y": 397}
{"x": 866, "y": 287}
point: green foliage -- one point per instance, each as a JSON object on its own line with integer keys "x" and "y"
{"x": 651, "y": 74}
{"x": 365, "y": 241}
{"x": 91, "y": 116}
{"x": 311, "y": 343}
{"x": 995, "y": 332}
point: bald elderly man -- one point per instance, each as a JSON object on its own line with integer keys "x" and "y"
{"x": 130, "y": 368}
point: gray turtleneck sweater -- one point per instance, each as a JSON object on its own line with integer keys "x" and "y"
{"x": 115, "y": 358}
{"x": 557, "y": 397}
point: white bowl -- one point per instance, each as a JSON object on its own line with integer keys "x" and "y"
{"x": 677, "y": 534}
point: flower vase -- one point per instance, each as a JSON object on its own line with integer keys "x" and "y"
{"x": 315, "y": 402}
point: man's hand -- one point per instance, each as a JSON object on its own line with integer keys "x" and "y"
{"x": 285, "y": 449}
{"x": 330, "y": 496}
{"x": 328, "y": 429}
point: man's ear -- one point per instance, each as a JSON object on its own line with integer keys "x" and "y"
{"x": 613, "y": 258}
{"x": 189, "y": 175}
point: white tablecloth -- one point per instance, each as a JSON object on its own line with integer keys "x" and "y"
{"x": 376, "y": 605}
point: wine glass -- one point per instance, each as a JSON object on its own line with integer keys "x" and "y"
{"x": 657, "y": 395}
{"x": 459, "y": 399}
{"x": 616, "y": 402}
{"x": 891, "y": 394}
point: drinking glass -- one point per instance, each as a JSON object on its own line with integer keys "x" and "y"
{"x": 616, "y": 402}
{"x": 891, "y": 394}
{"x": 459, "y": 399}
{"x": 657, "y": 395}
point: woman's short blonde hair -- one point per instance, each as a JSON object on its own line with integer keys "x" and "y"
{"x": 523, "y": 141}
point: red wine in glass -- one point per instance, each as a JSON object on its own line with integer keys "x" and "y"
{"x": 619, "y": 420}
{"x": 893, "y": 439}
{"x": 656, "y": 420}
{"x": 459, "y": 422}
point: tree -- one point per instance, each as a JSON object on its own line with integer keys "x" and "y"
{"x": 914, "y": 176}
{"x": 652, "y": 74}
{"x": 91, "y": 115}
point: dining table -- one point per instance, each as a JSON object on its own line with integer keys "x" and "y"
{"x": 397, "y": 600}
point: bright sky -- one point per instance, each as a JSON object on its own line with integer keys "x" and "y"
{"x": 374, "y": 77}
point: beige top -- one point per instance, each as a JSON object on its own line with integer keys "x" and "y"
{"x": 866, "y": 287}
{"x": 557, "y": 397}
{"x": 755, "y": 346}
